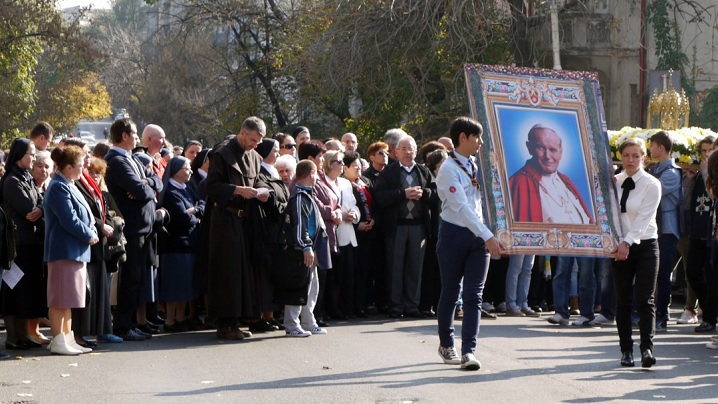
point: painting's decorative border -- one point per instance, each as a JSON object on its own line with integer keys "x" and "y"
{"x": 490, "y": 87}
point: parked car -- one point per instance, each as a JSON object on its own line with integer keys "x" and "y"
{"x": 88, "y": 136}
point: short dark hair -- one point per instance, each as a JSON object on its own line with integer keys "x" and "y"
{"x": 311, "y": 149}
{"x": 429, "y": 147}
{"x": 350, "y": 157}
{"x": 119, "y": 127}
{"x": 304, "y": 168}
{"x": 254, "y": 124}
{"x": 434, "y": 158}
{"x": 279, "y": 137}
{"x": 466, "y": 125}
{"x": 41, "y": 129}
{"x": 662, "y": 138}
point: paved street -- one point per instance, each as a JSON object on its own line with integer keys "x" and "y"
{"x": 378, "y": 361}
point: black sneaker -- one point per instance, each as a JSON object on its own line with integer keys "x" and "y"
{"x": 705, "y": 327}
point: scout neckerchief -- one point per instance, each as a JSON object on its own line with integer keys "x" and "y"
{"x": 463, "y": 168}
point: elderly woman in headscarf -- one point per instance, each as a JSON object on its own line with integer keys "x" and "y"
{"x": 178, "y": 245}
{"x": 24, "y": 305}
{"x": 266, "y": 228}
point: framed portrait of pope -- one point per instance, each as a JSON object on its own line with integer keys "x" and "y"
{"x": 545, "y": 166}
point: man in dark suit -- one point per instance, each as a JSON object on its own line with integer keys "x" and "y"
{"x": 403, "y": 192}
{"x": 133, "y": 186}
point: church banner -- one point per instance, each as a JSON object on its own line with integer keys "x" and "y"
{"x": 546, "y": 162}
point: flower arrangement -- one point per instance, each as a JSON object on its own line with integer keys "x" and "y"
{"x": 685, "y": 140}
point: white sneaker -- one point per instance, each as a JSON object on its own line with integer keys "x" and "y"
{"x": 581, "y": 322}
{"x": 714, "y": 338}
{"x": 600, "y": 320}
{"x": 449, "y": 355}
{"x": 298, "y": 332}
{"x": 557, "y": 319}
{"x": 712, "y": 345}
{"x": 317, "y": 330}
{"x": 469, "y": 362}
{"x": 687, "y": 318}
{"x": 488, "y": 306}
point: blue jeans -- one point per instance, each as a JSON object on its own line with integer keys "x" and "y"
{"x": 518, "y": 280}
{"x": 586, "y": 285}
{"x": 608, "y": 288}
{"x": 667, "y": 244}
{"x": 461, "y": 255}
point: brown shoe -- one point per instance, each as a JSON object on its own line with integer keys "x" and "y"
{"x": 515, "y": 312}
{"x": 231, "y": 333}
{"x": 459, "y": 313}
{"x": 530, "y": 313}
{"x": 574, "y": 305}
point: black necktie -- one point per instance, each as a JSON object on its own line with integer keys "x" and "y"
{"x": 627, "y": 186}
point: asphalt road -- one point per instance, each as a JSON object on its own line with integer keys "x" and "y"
{"x": 524, "y": 360}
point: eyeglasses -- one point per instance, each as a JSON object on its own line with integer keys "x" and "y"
{"x": 341, "y": 163}
{"x": 289, "y": 146}
{"x": 384, "y": 152}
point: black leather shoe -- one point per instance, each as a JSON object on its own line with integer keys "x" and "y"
{"x": 262, "y": 326}
{"x": 131, "y": 335}
{"x": 148, "y": 329}
{"x": 141, "y": 333}
{"x": 31, "y": 343}
{"x": 415, "y": 314}
{"x": 280, "y": 326}
{"x": 647, "y": 359}
{"x": 322, "y": 323}
{"x": 705, "y": 327}
{"x": 17, "y": 346}
{"x": 627, "y": 359}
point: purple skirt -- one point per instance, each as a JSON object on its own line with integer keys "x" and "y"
{"x": 66, "y": 284}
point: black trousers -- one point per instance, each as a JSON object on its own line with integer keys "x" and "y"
{"x": 130, "y": 283}
{"x": 700, "y": 272}
{"x": 637, "y": 274}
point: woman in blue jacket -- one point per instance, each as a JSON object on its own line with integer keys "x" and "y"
{"x": 69, "y": 233}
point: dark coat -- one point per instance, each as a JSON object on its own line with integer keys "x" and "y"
{"x": 19, "y": 197}
{"x": 183, "y": 228}
{"x": 389, "y": 193}
{"x": 97, "y": 252}
{"x": 231, "y": 283}
{"x": 122, "y": 181}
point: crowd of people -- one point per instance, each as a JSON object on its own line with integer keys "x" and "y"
{"x": 265, "y": 233}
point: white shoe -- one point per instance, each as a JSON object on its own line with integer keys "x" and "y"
{"x": 581, "y": 322}
{"x": 687, "y": 318}
{"x": 298, "y": 332}
{"x": 469, "y": 362}
{"x": 557, "y": 319}
{"x": 71, "y": 341}
{"x": 316, "y": 330}
{"x": 61, "y": 347}
{"x": 712, "y": 345}
{"x": 600, "y": 320}
{"x": 714, "y": 338}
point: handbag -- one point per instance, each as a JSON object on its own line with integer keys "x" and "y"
{"x": 114, "y": 248}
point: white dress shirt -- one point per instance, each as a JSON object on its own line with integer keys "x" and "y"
{"x": 460, "y": 199}
{"x": 638, "y": 222}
